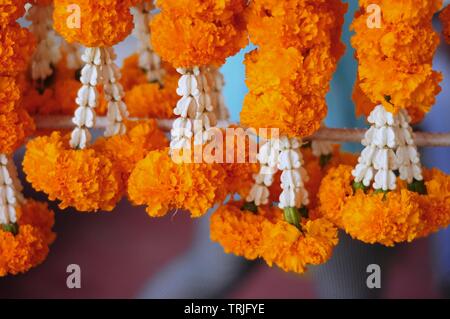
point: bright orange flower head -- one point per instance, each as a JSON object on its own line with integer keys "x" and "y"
{"x": 29, "y": 248}
{"x": 163, "y": 185}
{"x": 297, "y": 23}
{"x": 403, "y": 47}
{"x": 436, "y": 204}
{"x": 335, "y": 189}
{"x": 15, "y": 123}
{"x": 58, "y": 97}
{"x": 293, "y": 250}
{"x": 146, "y": 99}
{"x": 238, "y": 231}
{"x": 288, "y": 77}
{"x": 388, "y": 218}
{"x": 16, "y": 47}
{"x": 125, "y": 151}
{"x": 83, "y": 179}
{"x": 11, "y": 10}
{"x": 385, "y": 219}
{"x": 93, "y": 23}
{"x": 206, "y": 32}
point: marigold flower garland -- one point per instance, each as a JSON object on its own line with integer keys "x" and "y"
{"x": 149, "y": 83}
{"x": 403, "y": 47}
{"x": 25, "y": 225}
{"x": 241, "y": 228}
{"x": 393, "y": 210}
{"x": 207, "y": 32}
{"x": 92, "y": 178}
{"x": 290, "y": 97}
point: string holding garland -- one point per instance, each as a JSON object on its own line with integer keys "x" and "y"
{"x": 296, "y": 191}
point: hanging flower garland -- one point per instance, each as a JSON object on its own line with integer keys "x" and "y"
{"x": 92, "y": 177}
{"x": 50, "y": 86}
{"x": 25, "y": 225}
{"x": 288, "y": 78}
{"x": 389, "y": 201}
{"x": 245, "y": 230}
{"x": 403, "y": 47}
{"x": 150, "y": 84}
{"x": 207, "y": 33}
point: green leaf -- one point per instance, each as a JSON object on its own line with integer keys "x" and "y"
{"x": 357, "y": 186}
{"x": 325, "y": 159}
{"x": 292, "y": 216}
{"x": 418, "y": 187}
{"x": 250, "y": 206}
{"x": 11, "y": 228}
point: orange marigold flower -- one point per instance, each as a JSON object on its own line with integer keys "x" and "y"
{"x": 206, "y": 32}
{"x": 239, "y": 160}
{"x": 23, "y": 251}
{"x": 299, "y": 55}
{"x": 83, "y": 179}
{"x": 334, "y": 192}
{"x": 39, "y": 215}
{"x": 161, "y": 184}
{"x": 316, "y": 172}
{"x": 126, "y": 150}
{"x": 401, "y": 10}
{"x": 296, "y": 23}
{"x": 9, "y": 94}
{"x": 102, "y": 22}
{"x": 291, "y": 249}
{"x": 294, "y": 115}
{"x": 16, "y": 48}
{"x": 403, "y": 47}
{"x": 15, "y": 127}
{"x": 382, "y": 218}
{"x": 385, "y": 218}
{"x": 11, "y": 10}
{"x": 29, "y": 248}
{"x": 237, "y": 231}
{"x": 132, "y": 74}
{"x": 58, "y": 97}
{"x": 436, "y": 203}
{"x": 146, "y": 99}
{"x": 445, "y": 18}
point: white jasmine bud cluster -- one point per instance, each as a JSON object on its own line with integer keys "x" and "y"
{"x": 8, "y": 192}
{"x": 268, "y": 159}
{"x": 293, "y": 176}
{"x": 87, "y": 98}
{"x": 47, "y": 51}
{"x": 148, "y": 59}
{"x": 320, "y": 148}
{"x": 281, "y": 154}
{"x": 195, "y": 110}
{"x": 73, "y": 55}
{"x": 99, "y": 68}
{"x": 389, "y": 146}
{"x": 114, "y": 93}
